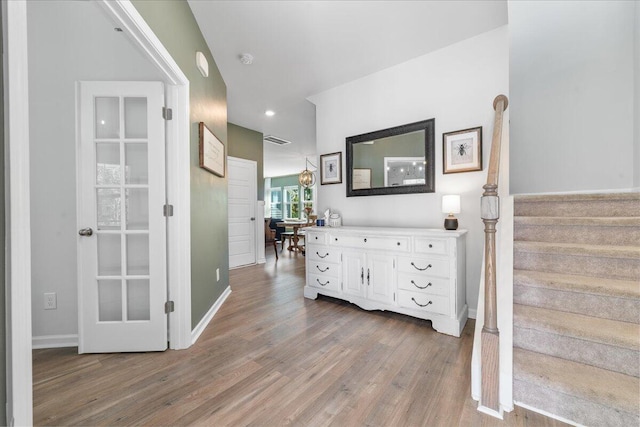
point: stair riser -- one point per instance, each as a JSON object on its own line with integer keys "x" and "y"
{"x": 604, "y": 307}
{"x": 570, "y": 407}
{"x": 604, "y": 356}
{"x": 599, "y": 208}
{"x": 588, "y": 235}
{"x": 615, "y": 268}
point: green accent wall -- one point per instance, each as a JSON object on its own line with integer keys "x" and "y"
{"x": 175, "y": 26}
{"x": 284, "y": 181}
{"x": 247, "y": 144}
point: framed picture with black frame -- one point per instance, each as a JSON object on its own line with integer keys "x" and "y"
{"x": 331, "y": 168}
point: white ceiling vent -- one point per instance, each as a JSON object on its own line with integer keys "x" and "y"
{"x": 275, "y": 140}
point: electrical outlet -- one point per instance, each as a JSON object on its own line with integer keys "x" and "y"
{"x": 217, "y": 274}
{"x": 50, "y": 301}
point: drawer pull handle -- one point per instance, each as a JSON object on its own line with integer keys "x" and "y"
{"x": 398, "y": 243}
{"x": 420, "y": 269}
{"x": 365, "y": 240}
{"x": 316, "y": 237}
{"x": 419, "y": 287}
{"x": 322, "y": 271}
{"x": 327, "y": 282}
{"x": 362, "y": 275}
{"x": 336, "y": 239}
{"x": 430, "y": 245}
{"x": 322, "y": 256}
{"x": 417, "y": 303}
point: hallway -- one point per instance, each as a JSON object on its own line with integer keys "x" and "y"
{"x": 271, "y": 357}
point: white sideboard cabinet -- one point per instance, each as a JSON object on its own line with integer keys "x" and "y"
{"x": 414, "y": 271}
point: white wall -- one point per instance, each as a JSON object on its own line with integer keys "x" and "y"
{"x": 636, "y": 73}
{"x": 68, "y": 42}
{"x": 456, "y": 86}
{"x": 572, "y": 98}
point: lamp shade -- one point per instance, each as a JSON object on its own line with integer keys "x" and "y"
{"x": 451, "y": 203}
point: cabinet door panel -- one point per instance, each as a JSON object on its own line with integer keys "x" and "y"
{"x": 353, "y": 274}
{"x": 379, "y": 278}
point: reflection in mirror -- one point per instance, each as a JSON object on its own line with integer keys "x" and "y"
{"x": 398, "y": 160}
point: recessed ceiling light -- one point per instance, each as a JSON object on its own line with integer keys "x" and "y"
{"x": 270, "y": 113}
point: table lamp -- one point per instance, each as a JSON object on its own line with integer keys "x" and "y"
{"x": 451, "y": 205}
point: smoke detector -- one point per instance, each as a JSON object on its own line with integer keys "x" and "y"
{"x": 246, "y": 58}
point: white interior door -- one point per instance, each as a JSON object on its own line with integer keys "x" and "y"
{"x": 242, "y": 201}
{"x": 122, "y": 230}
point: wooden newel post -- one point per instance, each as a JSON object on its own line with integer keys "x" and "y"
{"x": 490, "y": 212}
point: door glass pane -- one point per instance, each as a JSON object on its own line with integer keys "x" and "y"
{"x": 138, "y": 254}
{"x": 108, "y": 209}
{"x": 136, "y": 169}
{"x": 109, "y": 300}
{"x": 138, "y": 300}
{"x": 135, "y": 117}
{"x": 109, "y": 259}
{"x": 107, "y": 117}
{"x": 107, "y": 163}
{"x": 137, "y": 209}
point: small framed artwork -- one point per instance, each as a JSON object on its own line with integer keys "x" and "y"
{"x": 361, "y": 178}
{"x": 462, "y": 150}
{"x": 211, "y": 151}
{"x": 331, "y": 168}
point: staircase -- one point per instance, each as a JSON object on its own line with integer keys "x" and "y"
{"x": 576, "y": 331}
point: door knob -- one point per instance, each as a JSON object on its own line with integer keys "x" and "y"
{"x": 86, "y": 231}
{"x": 253, "y": 218}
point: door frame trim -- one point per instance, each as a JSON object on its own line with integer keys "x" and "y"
{"x": 178, "y": 163}
{"x": 18, "y": 223}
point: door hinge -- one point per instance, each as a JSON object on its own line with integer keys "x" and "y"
{"x": 167, "y": 210}
{"x": 167, "y": 113}
{"x": 169, "y": 307}
{"x": 394, "y": 296}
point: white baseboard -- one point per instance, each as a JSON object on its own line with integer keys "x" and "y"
{"x": 54, "y": 341}
{"x": 547, "y": 414}
{"x": 473, "y": 313}
{"x": 197, "y": 331}
{"x": 488, "y": 411}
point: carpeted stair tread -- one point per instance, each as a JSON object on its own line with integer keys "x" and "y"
{"x": 578, "y": 326}
{"x": 628, "y": 221}
{"x": 575, "y": 249}
{"x": 588, "y": 197}
{"x": 587, "y": 382}
{"x": 575, "y": 283}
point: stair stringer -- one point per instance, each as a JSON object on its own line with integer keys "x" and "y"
{"x": 504, "y": 295}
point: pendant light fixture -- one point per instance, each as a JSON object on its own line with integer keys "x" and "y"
{"x": 307, "y": 178}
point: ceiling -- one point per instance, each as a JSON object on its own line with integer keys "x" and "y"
{"x": 302, "y": 48}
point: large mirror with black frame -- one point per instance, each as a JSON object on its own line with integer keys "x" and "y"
{"x": 398, "y": 160}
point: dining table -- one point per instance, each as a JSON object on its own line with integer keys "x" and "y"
{"x": 295, "y": 225}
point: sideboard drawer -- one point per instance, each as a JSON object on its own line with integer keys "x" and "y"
{"x": 324, "y": 282}
{"x": 324, "y": 268}
{"x": 322, "y": 253}
{"x": 423, "y": 302}
{"x": 315, "y": 237}
{"x": 371, "y": 242}
{"x": 426, "y": 245}
{"x": 424, "y": 284}
{"x": 427, "y": 266}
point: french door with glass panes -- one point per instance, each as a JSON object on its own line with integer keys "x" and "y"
{"x": 121, "y": 228}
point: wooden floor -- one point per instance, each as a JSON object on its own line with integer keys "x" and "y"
{"x": 271, "y": 357}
